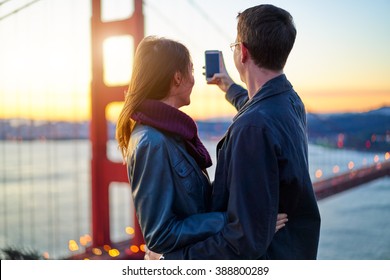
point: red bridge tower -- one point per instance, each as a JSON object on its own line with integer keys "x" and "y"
{"x": 103, "y": 170}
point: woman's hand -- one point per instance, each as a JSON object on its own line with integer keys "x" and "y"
{"x": 151, "y": 256}
{"x": 281, "y": 221}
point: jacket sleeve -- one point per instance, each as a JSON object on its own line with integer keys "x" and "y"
{"x": 153, "y": 195}
{"x": 237, "y": 96}
{"x": 252, "y": 205}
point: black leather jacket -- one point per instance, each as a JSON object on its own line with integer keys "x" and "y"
{"x": 171, "y": 194}
{"x": 262, "y": 170}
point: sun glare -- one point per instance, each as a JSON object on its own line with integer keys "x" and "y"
{"x": 118, "y": 60}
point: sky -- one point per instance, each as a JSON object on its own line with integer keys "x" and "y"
{"x": 340, "y": 61}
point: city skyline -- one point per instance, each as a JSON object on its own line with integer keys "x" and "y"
{"x": 340, "y": 61}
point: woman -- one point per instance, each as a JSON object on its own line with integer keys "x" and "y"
{"x": 165, "y": 159}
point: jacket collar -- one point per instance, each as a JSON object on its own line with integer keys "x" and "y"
{"x": 271, "y": 88}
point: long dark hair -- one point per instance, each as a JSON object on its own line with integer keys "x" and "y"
{"x": 155, "y": 63}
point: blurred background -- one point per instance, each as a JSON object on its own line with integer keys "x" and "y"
{"x": 340, "y": 66}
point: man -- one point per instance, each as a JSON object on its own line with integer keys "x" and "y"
{"x": 262, "y": 164}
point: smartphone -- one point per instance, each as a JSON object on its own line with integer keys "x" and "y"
{"x": 212, "y": 58}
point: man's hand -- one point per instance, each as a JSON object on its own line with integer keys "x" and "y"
{"x": 281, "y": 221}
{"x": 151, "y": 256}
{"x": 221, "y": 79}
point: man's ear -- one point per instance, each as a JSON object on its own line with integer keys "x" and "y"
{"x": 177, "y": 78}
{"x": 244, "y": 53}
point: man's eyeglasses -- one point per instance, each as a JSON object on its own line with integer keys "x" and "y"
{"x": 233, "y": 45}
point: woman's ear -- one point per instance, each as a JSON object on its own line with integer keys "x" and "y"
{"x": 177, "y": 78}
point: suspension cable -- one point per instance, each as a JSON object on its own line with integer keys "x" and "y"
{"x": 18, "y": 9}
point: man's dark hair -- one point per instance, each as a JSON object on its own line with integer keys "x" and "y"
{"x": 269, "y": 34}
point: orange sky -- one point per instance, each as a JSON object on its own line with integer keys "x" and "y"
{"x": 334, "y": 101}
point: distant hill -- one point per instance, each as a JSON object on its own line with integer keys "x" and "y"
{"x": 361, "y": 131}
{"x": 22, "y": 129}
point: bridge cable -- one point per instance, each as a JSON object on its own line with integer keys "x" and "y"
{"x": 5, "y": 1}
{"x": 202, "y": 12}
{"x": 170, "y": 23}
{"x": 18, "y": 9}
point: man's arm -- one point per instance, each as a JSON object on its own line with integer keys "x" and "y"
{"x": 237, "y": 96}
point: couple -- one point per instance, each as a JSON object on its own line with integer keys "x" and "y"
{"x": 262, "y": 161}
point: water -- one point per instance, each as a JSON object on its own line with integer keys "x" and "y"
{"x": 45, "y": 200}
{"x": 356, "y": 223}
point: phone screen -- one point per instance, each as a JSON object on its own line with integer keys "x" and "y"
{"x": 212, "y": 64}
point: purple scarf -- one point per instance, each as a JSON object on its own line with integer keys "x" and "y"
{"x": 167, "y": 118}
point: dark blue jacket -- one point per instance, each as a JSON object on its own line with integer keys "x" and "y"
{"x": 262, "y": 170}
{"x": 171, "y": 194}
